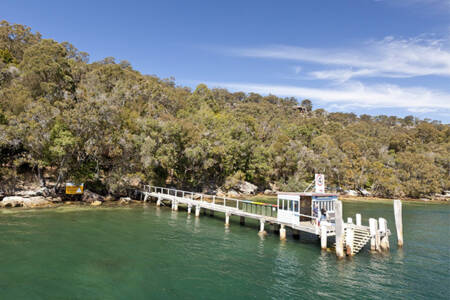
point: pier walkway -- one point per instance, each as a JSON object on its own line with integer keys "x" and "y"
{"x": 264, "y": 212}
{"x": 353, "y": 236}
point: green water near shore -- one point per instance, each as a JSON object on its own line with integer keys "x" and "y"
{"x": 149, "y": 253}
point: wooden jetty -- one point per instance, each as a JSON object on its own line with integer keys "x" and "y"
{"x": 301, "y": 212}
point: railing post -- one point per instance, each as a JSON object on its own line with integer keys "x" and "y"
{"x": 214, "y": 199}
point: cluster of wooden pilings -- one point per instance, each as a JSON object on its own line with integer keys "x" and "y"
{"x": 378, "y": 232}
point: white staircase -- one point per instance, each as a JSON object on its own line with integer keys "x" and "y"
{"x": 361, "y": 235}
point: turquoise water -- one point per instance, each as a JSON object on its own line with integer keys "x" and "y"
{"x": 149, "y": 253}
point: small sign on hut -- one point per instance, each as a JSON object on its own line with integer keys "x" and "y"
{"x": 74, "y": 189}
{"x": 320, "y": 183}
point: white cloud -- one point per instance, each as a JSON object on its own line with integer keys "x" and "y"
{"x": 389, "y": 57}
{"x": 357, "y": 94}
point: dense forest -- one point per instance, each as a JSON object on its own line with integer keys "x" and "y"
{"x": 105, "y": 124}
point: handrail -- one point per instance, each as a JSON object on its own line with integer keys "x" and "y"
{"x": 214, "y": 198}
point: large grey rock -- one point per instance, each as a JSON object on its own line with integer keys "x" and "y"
{"x": 236, "y": 188}
{"x": 29, "y": 193}
{"x": 274, "y": 187}
{"x": 221, "y": 193}
{"x": 246, "y": 188}
{"x": 43, "y": 191}
{"x": 90, "y": 197}
{"x": 14, "y": 201}
{"x": 232, "y": 193}
{"x": 96, "y": 203}
{"x": 365, "y": 193}
{"x": 125, "y": 200}
{"x": 269, "y": 192}
{"x": 351, "y": 193}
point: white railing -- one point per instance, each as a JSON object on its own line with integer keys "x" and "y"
{"x": 328, "y": 205}
{"x": 265, "y": 209}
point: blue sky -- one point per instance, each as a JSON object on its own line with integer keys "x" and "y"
{"x": 361, "y": 56}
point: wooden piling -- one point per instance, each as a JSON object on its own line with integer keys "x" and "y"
{"x": 349, "y": 236}
{"x": 377, "y": 238}
{"x": 261, "y": 227}
{"x": 398, "y": 222}
{"x": 158, "y": 202}
{"x": 384, "y": 239}
{"x": 227, "y": 219}
{"x": 339, "y": 230}
{"x": 358, "y": 219}
{"x": 197, "y": 211}
{"x": 373, "y": 232}
{"x": 323, "y": 237}
{"x": 349, "y": 220}
{"x": 282, "y": 232}
{"x": 189, "y": 209}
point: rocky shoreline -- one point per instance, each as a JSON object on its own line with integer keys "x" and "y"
{"x": 44, "y": 197}
{"x": 41, "y": 197}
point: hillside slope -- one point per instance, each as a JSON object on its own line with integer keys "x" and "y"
{"x": 106, "y": 124}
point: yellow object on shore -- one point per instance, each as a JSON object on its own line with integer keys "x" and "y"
{"x": 73, "y": 189}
